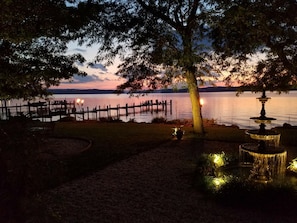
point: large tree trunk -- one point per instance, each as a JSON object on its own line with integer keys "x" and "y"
{"x": 195, "y": 100}
{"x": 192, "y": 82}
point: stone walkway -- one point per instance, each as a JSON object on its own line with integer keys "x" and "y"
{"x": 155, "y": 186}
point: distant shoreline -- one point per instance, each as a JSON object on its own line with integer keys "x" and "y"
{"x": 97, "y": 91}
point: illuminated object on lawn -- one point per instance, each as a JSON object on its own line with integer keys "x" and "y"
{"x": 178, "y": 132}
{"x": 293, "y": 165}
{"x": 219, "y": 181}
{"x": 266, "y": 157}
{"x": 219, "y": 160}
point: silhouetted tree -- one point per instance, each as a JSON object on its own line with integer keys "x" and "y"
{"x": 158, "y": 41}
{"x": 33, "y": 42}
{"x": 266, "y": 29}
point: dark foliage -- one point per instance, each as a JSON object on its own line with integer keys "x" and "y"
{"x": 33, "y": 42}
{"x": 277, "y": 197}
{"x": 245, "y": 28}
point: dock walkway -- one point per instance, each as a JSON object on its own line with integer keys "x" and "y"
{"x": 58, "y": 109}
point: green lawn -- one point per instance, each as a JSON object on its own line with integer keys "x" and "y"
{"x": 111, "y": 142}
{"x": 114, "y": 141}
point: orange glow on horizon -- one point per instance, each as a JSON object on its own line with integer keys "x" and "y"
{"x": 102, "y": 85}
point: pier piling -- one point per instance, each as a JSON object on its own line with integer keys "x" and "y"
{"x": 53, "y": 110}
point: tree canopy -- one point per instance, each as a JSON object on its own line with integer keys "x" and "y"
{"x": 150, "y": 38}
{"x": 268, "y": 29}
{"x": 161, "y": 41}
{"x": 33, "y": 43}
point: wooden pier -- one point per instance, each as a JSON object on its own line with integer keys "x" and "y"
{"x": 56, "y": 110}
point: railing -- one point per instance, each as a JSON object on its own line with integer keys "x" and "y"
{"x": 52, "y": 111}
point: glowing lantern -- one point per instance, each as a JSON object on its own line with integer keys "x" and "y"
{"x": 80, "y": 101}
{"x": 201, "y": 102}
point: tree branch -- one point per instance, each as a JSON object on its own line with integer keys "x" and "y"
{"x": 158, "y": 14}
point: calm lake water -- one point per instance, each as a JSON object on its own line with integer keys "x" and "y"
{"x": 224, "y": 107}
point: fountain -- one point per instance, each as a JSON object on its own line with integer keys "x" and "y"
{"x": 265, "y": 157}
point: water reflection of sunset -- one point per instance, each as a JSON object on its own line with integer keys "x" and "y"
{"x": 224, "y": 107}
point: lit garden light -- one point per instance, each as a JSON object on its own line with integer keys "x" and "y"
{"x": 219, "y": 160}
{"x": 218, "y": 182}
{"x": 201, "y": 101}
{"x": 293, "y": 165}
{"x": 80, "y": 102}
{"x": 178, "y": 132}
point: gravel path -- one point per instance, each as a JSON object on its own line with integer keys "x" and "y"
{"x": 155, "y": 186}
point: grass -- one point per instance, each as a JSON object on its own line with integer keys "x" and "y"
{"x": 115, "y": 135}
{"x": 115, "y": 141}
{"x": 223, "y": 133}
{"x": 288, "y": 136}
{"x": 112, "y": 142}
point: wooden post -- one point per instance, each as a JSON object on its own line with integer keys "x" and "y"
{"x": 48, "y": 112}
{"x": 170, "y": 107}
{"x": 7, "y": 110}
{"x": 96, "y": 117}
{"x": 88, "y": 113}
{"x": 65, "y": 106}
{"x": 29, "y": 110}
{"x": 118, "y": 111}
{"x": 61, "y": 109}
{"x": 16, "y": 109}
{"x": 127, "y": 110}
{"x": 152, "y": 105}
{"x": 74, "y": 108}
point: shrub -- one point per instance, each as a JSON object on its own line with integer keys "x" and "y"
{"x": 237, "y": 190}
{"x": 159, "y": 120}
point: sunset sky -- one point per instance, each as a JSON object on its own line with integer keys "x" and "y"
{"x": 99, "y": 77}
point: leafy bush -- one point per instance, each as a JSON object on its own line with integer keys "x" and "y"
{"x": 159, "y": 120}
{"x": 238, "y": 191}
{"x": 109, "y": 119}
